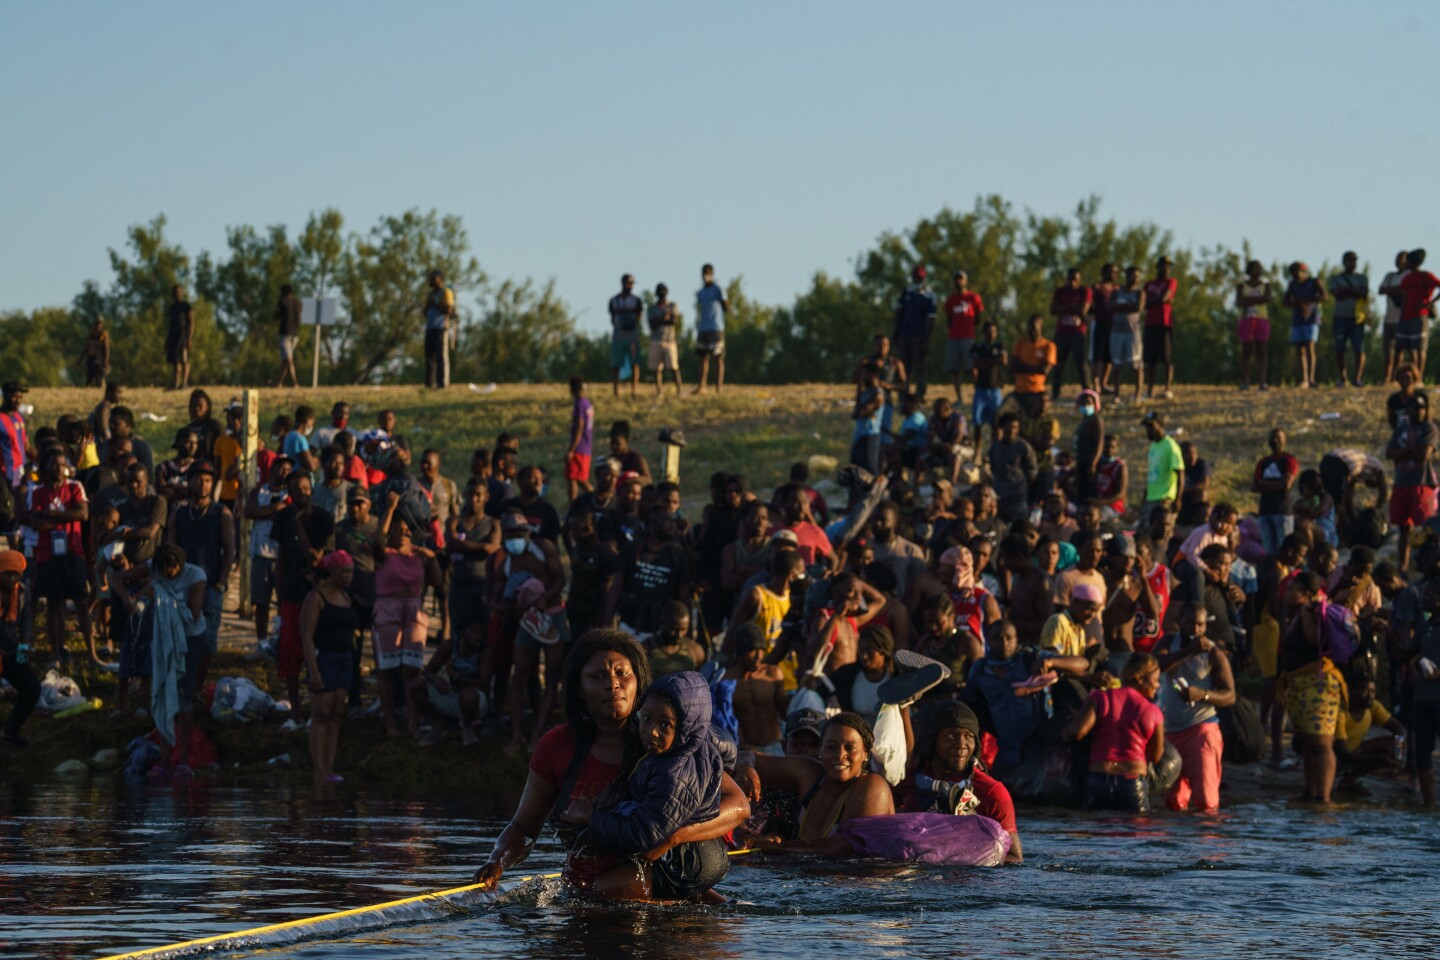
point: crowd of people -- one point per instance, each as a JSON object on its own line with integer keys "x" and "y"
{"x": 973, "y": 622}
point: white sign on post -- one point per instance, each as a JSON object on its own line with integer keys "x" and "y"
{"x": 319, "y": 312}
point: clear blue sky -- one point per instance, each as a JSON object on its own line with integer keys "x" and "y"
{"x": 582, "y": 140}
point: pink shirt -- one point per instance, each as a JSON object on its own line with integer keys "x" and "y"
{"x": 811, "y": 541}
{"x": 400, "y": 576}
{"x": 1124, "y": 723}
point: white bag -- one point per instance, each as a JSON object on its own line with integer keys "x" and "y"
{"x": 889, "y": 755}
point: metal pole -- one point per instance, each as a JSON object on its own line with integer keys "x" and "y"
{"x": 315, "y": 370}
{"x": 249, "y": 476}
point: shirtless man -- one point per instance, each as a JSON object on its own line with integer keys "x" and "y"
{"x": 838, "y": 626}
{"x": 1030, "y": 603}
{"x": 759, "y": 699}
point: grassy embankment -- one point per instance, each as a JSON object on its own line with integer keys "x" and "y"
{"x": 759, "y": 430}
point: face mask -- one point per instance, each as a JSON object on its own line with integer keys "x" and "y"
{"x": 544, "y": 489}
{"x": 1088, "y": 410}
{"x": 515, "y": 546}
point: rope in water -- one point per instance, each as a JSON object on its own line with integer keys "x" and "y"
{"x": 370, "y": 918}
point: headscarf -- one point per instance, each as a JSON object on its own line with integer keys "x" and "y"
{"x": 335, "y": 559}
{"x": 964, "y": 564}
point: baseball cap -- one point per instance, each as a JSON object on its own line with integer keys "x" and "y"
{"x": 1163, "y": 258}
{"x": 357, "y": 494}
{"x": 202, "y": 466}
{"x": 1155, "y": 417}
{"x": 514, "y": 521}
{"x": 918, "y": 273}
{"x": 805, "y": 721}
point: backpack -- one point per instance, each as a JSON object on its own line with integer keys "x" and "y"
{"x": 1339, "y": 633}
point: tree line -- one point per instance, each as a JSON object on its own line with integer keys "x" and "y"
{"x": 521, "y": 330}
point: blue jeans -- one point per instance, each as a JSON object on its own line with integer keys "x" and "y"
{"x": 1274, "y": 528}
{"x": 214, "y": 600}
{"x": 1109, "y": 791}
{"x": 985, "y": 407}
{"x": 865, "y": 452}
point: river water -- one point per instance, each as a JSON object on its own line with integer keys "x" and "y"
{"x": 91, "y": 869}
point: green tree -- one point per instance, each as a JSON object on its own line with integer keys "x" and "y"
{"x": 382, "y": 283}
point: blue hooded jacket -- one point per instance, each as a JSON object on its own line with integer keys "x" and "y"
{"x": 671, "y": 790}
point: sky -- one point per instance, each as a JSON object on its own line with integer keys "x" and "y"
{"x": 579, "y": 141}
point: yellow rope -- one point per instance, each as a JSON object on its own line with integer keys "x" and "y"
{"x": 340, "y": 915}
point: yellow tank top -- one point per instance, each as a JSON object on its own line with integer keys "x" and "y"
{"x": 770, "y": 612}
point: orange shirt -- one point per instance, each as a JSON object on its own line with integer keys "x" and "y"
{"x": 1032, "y": 353}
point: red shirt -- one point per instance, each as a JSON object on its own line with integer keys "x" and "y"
{"x": 264, "y": 460}
{"x": 963, "y": 311}
{"x": 551, "y": 761}
{"x": 1148, "y": 633}
{"x": 1417, "y": 287}
{"x": 1157, "y": 312}
{"x": 1068, "y": 302}
{"x": 811, "y": 541}
{"x": 67, "y": 496}
{"x": 356, "y": 473}
{"x": 995, "y": 800}
{"x": 970, "y": 611}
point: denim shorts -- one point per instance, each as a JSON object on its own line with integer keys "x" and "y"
{"x": 1347, "y": 331}
{"x": 986, "y": 406}
{"x": 1108, "y": 791}
{"x": 335, "y": 670}
{"x": 689, "y": 869}
{"x": 1301, "y": 333}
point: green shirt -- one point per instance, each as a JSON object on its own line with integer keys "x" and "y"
{"x": 1164, "y": 460}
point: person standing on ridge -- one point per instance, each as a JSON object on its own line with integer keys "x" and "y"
{"x": 963, "y": 310}
{"x": 1351, "y": 290}
{"x": 1303, "y": 296}
{"x": 664, "y": 325}
{"x": 439, "y": 311}
{"x": 914, "y": 321}
{"x": 1159, "y": 327}
{"x": 1394, "y": 300}
{"x": 179, "y": 331}
{"x": 625, "y": 311}
{"x": 287, "y": 319}
{"x": 1071, "y": 305}
{"x": 710, "y": 310}
{"x": 1101, "y": 295}
{"x": 1252, "y": 297}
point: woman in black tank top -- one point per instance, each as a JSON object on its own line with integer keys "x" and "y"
{"x": 328, "y": 623}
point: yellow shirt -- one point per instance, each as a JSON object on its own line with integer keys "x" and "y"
{"x": 770, "y": 611}
{"x": 1063, "y": 636}
{"x": 1354, "y": 729}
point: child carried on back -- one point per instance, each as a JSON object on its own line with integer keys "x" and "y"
{"x": 676, "y": 768}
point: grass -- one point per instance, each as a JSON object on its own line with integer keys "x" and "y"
{"x": 762, "y": 430}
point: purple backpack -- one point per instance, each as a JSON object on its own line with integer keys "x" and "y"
{"x": 1339, "y": 634}
{"x": 936, "y": 838}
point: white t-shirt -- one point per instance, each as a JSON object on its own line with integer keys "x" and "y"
{"x": 865, "y": 697}
{"x": 1392, "y": 308}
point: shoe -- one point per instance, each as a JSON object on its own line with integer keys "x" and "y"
{"x": 905, "y": 688}
{"x": 289, "y": 726}
{"x": 1169, "y": 394}
{"x": 1244, "y": 388}
{"x": 1264, "y": 387}
{"x": 1358, "y": 383}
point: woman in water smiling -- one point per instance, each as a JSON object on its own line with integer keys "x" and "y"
{"x": 833, "y": 789}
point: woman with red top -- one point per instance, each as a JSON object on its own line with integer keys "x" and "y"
{"x": 975, "y": 608}
{"x": 604, "y": 675}
{"x": 1127, "y": 734}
